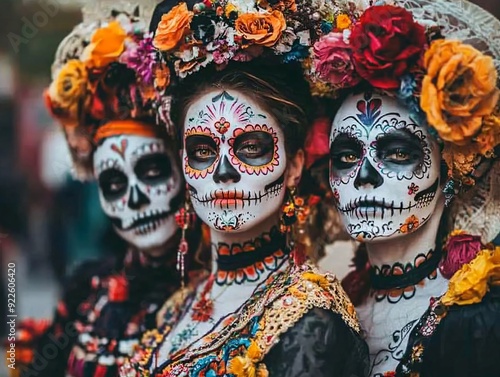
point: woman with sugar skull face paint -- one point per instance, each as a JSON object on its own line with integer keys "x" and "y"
{"x": 258, "y": 312}
{"x": 102, "y": 96}
{"x": 418, "y": 124}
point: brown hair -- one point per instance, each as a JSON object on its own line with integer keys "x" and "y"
{"x": 280, "y": 89}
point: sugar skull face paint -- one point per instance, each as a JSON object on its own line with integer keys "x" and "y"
{"x": 384, "y": 168}
{"x": 138, "y": 182}
{"x": 234, "y": 160}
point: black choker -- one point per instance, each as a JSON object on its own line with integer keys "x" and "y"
{"x": 236, "y": 256}
{"x": 399, "y": 275}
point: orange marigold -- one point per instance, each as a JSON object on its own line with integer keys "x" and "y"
{"x": 343, "y": 21}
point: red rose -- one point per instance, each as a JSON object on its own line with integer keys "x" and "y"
{"x": 386, "y": 43}
{"x": 460, "y": 249}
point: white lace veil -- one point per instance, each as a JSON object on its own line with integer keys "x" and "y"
{"x": 478, "y": 210}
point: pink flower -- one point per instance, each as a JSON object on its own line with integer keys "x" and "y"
{"x": 141, "y": 57}
{"x": 333, "y": 61}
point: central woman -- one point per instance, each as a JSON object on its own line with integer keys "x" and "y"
{"x": 257, "y": 313}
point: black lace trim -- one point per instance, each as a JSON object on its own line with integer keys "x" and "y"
{"x": 236, "y": 256}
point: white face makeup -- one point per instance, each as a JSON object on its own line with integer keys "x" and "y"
{"x": 137, "y": 184}
{"x": 234, "y": 161}
{"x": 384, "y": 168}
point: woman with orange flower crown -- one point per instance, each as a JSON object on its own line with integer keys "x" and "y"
{"x": 417, "y": 123}
{"x": 103, "y": 95}
{"x": 242, "y": 107}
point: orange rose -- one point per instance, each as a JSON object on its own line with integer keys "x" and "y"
{"x": 106, "y": 46}
{"x": 459, "y": 90}
{"x": 173, "y": 27}
{"x": 262, "y": 29}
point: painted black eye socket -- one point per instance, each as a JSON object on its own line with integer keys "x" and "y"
{"x": 345, "y": 152}
{"x": 201, "y": 151}
{"x": 113, "y": 184}
{"x": 153, "y": 169}
{"x": 400, "y": 148}
{"x": 254, "y": 148}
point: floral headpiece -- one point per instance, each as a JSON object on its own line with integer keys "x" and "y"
{"x": 431, "y": 55}
{"x": 219, "y": 31}
{"x": 113, "y": 75}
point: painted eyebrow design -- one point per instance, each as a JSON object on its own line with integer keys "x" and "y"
{"x": 109, "y": 163}
{"x": 151, "y": 147}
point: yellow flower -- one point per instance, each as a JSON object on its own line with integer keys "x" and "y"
{"x": 261, "y": 28}
{"x": 106, "y": 46}
{"x": 230, "y": 8}
{"x": 459, "y": 90}
{"x": 248, "y": 365}
{"x": 317, "y": 278}
{"x": 173, "y": 26}
{"x": 68, "y": 89}
{"x": 297, "y": 292}
{"x": 343, "y": 21}
{"x": 489, "y": 137}
{"x": 472, "y": 281}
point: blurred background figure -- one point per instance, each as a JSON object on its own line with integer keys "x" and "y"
{"x": 49, "y": 223}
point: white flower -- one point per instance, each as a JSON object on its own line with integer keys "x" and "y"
{"x": 224, "y": 31}
{"x": 361, "y": 5}
{"x": 126, "y": 347}
{"x": 285, "y": 43}
{"x": 346, "y": 34}
{"x": 84, "y": 338}
{"x": 106, "y": 360}
{"x": 244, "y": 6}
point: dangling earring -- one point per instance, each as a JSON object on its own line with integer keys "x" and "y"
{"x": 291, "y": 210}
{"x": 185, "y": 218}
{"x": 450, "y": 190}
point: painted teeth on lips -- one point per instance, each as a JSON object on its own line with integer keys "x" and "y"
{"x": 229, "y": 198}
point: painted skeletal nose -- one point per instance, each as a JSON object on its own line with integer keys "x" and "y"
{"x": 367, "y": 175}
{"x": 137, "y": 198}
{"x": 225, "y": 172}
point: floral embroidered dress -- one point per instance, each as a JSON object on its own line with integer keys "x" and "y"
{"x": 298, "y": 322}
